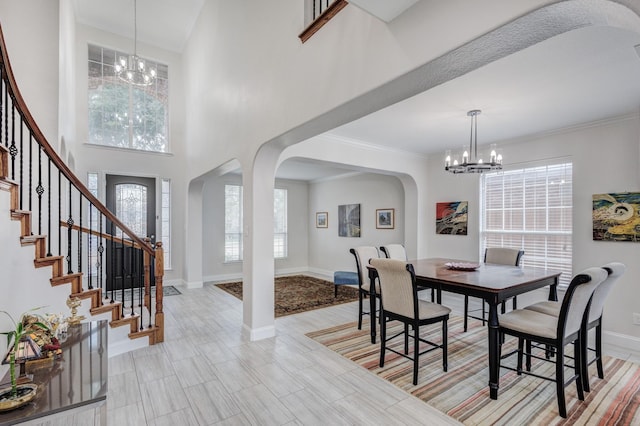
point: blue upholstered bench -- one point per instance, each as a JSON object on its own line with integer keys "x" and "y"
{"x": 342, "y": 278}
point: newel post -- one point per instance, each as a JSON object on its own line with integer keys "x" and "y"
{"x": 159, "y": 272}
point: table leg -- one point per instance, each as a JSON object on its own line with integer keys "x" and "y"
{"x": 494, "y": 351}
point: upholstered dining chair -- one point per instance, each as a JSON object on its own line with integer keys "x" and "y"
{"x": 615, "y": 271}
{"x": 555, "y": 332}
{"x": 394, "y": 251}
{"x": 399, "y": 301}
{"x": 362, "y": 255}
{"x": 398, "y": 252}
{"x": 498, "y": 256}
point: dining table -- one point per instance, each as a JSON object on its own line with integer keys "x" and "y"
{"x": 491, "y": 282}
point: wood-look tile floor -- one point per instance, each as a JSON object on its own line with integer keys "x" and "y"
{"x": 205, "y": 373}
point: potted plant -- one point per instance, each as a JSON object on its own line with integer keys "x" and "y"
{"x": 19, "y": 395}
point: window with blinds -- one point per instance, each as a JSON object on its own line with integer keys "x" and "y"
{"x": 530, "y": 209}
{"x": 233, "y": 223}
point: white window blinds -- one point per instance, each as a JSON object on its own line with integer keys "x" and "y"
{"x": 530, "y": 209}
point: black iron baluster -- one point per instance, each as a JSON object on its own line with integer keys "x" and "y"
{"x": 59, "y": 212}
{"x": 30, "y": 168}
{"x": 89, "y": 237}
{"x": 39, "y": 190}
{"x": 112, "y": 279}
{"x": 132, "y": 274}
{"x": 123, "y": 271}
{"x": 49, "y": 210}
{"x": 100, "y": 251}
{"x": 3, "y": 93}
{"x": 21, "y": 159}
{"x": 6, "y": 117}
{"x": 140, "y": 278}
{"x": 13, "y": 151}
{"x": 70, "y": 227}
{"x": 80, "y": 233}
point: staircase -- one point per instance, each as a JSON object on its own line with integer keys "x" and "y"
{"x": 49, "y": 201}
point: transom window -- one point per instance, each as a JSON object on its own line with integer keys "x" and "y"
{"x": 530, "y": 209}
{"x": 124, "y": 115}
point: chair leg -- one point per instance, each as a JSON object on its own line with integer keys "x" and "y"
{"x": 504, "y": 307}
{"x": 445, "y": 352}
{"x": 520, "y": 350}
{"x": 466, "y": 311}
{"x": 515, "y": 302}
{"x": 359, "y": 310}
{"x": 383, "y": 336}
{"x": 335, "y": 291}
{"x": 528, "y": 362}
{"x": 562, "y": 406}
{"x": 406, "y": 338}
{"x": 599, "y": 350}
{"x": 584, "y": 358}
{"x": 578, "y": 366}
{"x": 416, "y": 352}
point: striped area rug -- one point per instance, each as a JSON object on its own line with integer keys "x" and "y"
{"x": 463, "y": 393}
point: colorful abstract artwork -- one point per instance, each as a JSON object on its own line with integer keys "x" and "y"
{"x": 616, "y": 217}
{"x": 451, "y": 218}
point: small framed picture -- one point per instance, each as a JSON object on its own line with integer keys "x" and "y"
{"x": 322, "y": 220}
{"x": 385, "y": 218}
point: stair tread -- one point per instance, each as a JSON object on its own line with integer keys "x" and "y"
{"x": 31, "y": 238}
{"x": 85, "y": 294}
{"x": 105, "y": 308}
{"x": 64, "y": 279}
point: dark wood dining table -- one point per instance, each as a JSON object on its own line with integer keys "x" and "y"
{"x": 490, "y": 282}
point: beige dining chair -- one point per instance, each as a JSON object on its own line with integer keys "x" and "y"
{"x": 615, "y": 270}
{"x": 498, "y": 256}
{"x": 394, "y": 251}
{"x": 398, "y": 252}
{"x": 399, "y": 301}
{"x": 362, "y": 255}
{"x": 554, "y": 332}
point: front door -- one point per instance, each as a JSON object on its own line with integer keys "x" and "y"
{"x": 133, "y": 200}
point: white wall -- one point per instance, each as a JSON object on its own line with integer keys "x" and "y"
{"x": 30, "y": 30}
{"x": 605, "y": 159}
{"x": 215, "y": 268}
{"x": 327, "y": 251}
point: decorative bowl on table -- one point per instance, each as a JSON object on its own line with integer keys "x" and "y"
{"x": 462, "y": 266}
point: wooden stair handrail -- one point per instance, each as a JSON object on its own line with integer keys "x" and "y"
{"x": 107, "y": 237}
{"x": 28, "y": 119}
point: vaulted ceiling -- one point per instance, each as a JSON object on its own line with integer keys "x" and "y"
{"x": 581, "y": 76}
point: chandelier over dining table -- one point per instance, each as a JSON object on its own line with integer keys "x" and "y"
{"x": 470, "y": 161}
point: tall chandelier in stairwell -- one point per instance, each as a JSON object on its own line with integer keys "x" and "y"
{"x": 470, "y": 161}
{"x": 133, "y": 69}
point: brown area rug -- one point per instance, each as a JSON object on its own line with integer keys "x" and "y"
{"x": 300, "y": 293}
{"x": 462, "y": 392}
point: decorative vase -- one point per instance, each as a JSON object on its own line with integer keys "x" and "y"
{"x": 26, "y": 393}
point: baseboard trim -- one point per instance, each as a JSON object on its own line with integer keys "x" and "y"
{"x": 254, "y": 334}
{"x": 624, "y": 341}
{"x": 194, "y": 284}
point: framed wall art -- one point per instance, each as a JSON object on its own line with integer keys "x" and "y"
{"x": 322, "y": 220}
{"x": 385, "y": 218}
{"x": 616, "y": 217}
{"x": 451, "y": 217}
{"x": 349, "y": 220}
